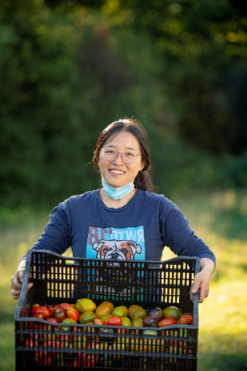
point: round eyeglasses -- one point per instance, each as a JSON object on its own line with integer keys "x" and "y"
{"x": 128, "y": 157}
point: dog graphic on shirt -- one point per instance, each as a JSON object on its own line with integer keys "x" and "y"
{"x": 116, "y": 249}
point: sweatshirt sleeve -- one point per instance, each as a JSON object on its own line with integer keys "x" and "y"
{"x": 180, "y": 238}
{"x": 56, "y": 236}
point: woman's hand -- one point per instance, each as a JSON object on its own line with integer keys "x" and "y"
{"x": 202, "y": 280}
{"x": 17, "y": 280}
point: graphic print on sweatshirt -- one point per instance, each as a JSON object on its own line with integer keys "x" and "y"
{"x": 116, "y": 243}
{"x": 123, "y": 244}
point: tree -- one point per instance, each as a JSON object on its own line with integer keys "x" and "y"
{"x": 202, "y": 43}
{"x": 64, "y": 77}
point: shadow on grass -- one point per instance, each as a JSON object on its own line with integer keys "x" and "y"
{"x": 224, "y": 362}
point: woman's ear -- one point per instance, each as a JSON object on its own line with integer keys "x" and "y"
{"x": 143, "y": 164}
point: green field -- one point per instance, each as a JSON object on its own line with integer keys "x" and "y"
{"x": 220, "y": 218}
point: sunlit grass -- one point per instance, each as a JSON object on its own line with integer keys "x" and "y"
{"x": 220, "y": 219}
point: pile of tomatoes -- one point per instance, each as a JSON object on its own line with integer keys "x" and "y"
{"x": 62, "y": 317}
{"x": 85, "y": 311}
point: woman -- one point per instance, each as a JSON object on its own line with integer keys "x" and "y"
{"x": 124, "y": 219}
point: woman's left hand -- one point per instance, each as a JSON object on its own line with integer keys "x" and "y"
{"x": 202, "y": 280}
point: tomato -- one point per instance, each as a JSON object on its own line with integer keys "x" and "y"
{"x": 51, "y": 319}
{"x": 59, "y": 314}
{"x": 172, "y": 312}
{"x": 41, "y": 310}
{"x": 73, "y": 314}
{"x": 87, "y": 317}
{"x": 186, "y": 319}
{"x": 104, "y": 308}
{"x": 150, "y": 321}
{"x": 39, "y": 315}
{"x": 167, "y": 322}
{"x": 64, "y": 306}
{"x": 137, "y": 322}
{"x": 98, "y": 321}
{"x": 120, "y": 311}
{"x": 29, "y": 343}
{"x": 50, "y": 308}
{"x": 105, "y": 317}
{"x": 85, "y": 305}
{"x": 113, "y": 321}
{"x": 126, "y": 321}
{"x": 67, "y": 320}
{"x": 157, "y": 313}
{"x": 88, "y": 360}
{"x": 135, "y": 311}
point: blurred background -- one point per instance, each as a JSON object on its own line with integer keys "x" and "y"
{"x": 68, "y": 69}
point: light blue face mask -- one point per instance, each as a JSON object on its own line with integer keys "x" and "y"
{"x": 117, "y": 193}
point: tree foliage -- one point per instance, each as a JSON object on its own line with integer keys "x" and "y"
{"x": 204, "y": 48}
{"x": 68, "y": 69}
{"x": 63, "y": 79}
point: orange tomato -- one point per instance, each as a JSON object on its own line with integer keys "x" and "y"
{"x": 104, "y": 308}
{"x": 98, "y": 321}
{"x": 73, "y": 314}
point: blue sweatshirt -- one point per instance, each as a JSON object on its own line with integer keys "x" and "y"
{"x": 137, "y": 231}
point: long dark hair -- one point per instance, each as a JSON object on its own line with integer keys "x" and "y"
{"x": 143, "y": 179}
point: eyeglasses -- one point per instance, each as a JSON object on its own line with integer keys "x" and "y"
{"x": 128, "y": 157}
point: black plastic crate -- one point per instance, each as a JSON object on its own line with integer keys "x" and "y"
{"x": 57, "y": 279}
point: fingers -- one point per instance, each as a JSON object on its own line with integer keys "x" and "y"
{"x": 200, "y": 285}
{"x": 16, "y": 284}
{"x": 15, "y": 294}
{"x": 193, "y": 291}
{"x": 204, "y": 291}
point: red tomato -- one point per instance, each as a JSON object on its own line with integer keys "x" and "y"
{"x": 51, "y": 319}
{"x": 186, "y": 319}
{"x": 113, "y": 321}
{"x": 167, "y": 322}
{"x": 73, "y": 314}
{"x": 77, "y": 362}
{"x": 39, "y": 316}
{"x": 42, "y": 310}
{"x": 88, "y": 360}
{"x": 29, "y": 343}
{"x": 36, "y": 326}
{"x": 64, "y": 306}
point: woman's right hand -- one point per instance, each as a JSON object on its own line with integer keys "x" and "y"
{"x": 17, "y": 280}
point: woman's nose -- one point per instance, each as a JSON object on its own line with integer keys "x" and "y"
{"x": 118, "y": 158}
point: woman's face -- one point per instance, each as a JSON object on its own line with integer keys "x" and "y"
{"x": 117, "y": 173}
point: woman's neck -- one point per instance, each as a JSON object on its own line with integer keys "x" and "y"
{"x": 115, "y": 204}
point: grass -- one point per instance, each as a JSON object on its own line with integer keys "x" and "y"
{"x": 220, "y": 218}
